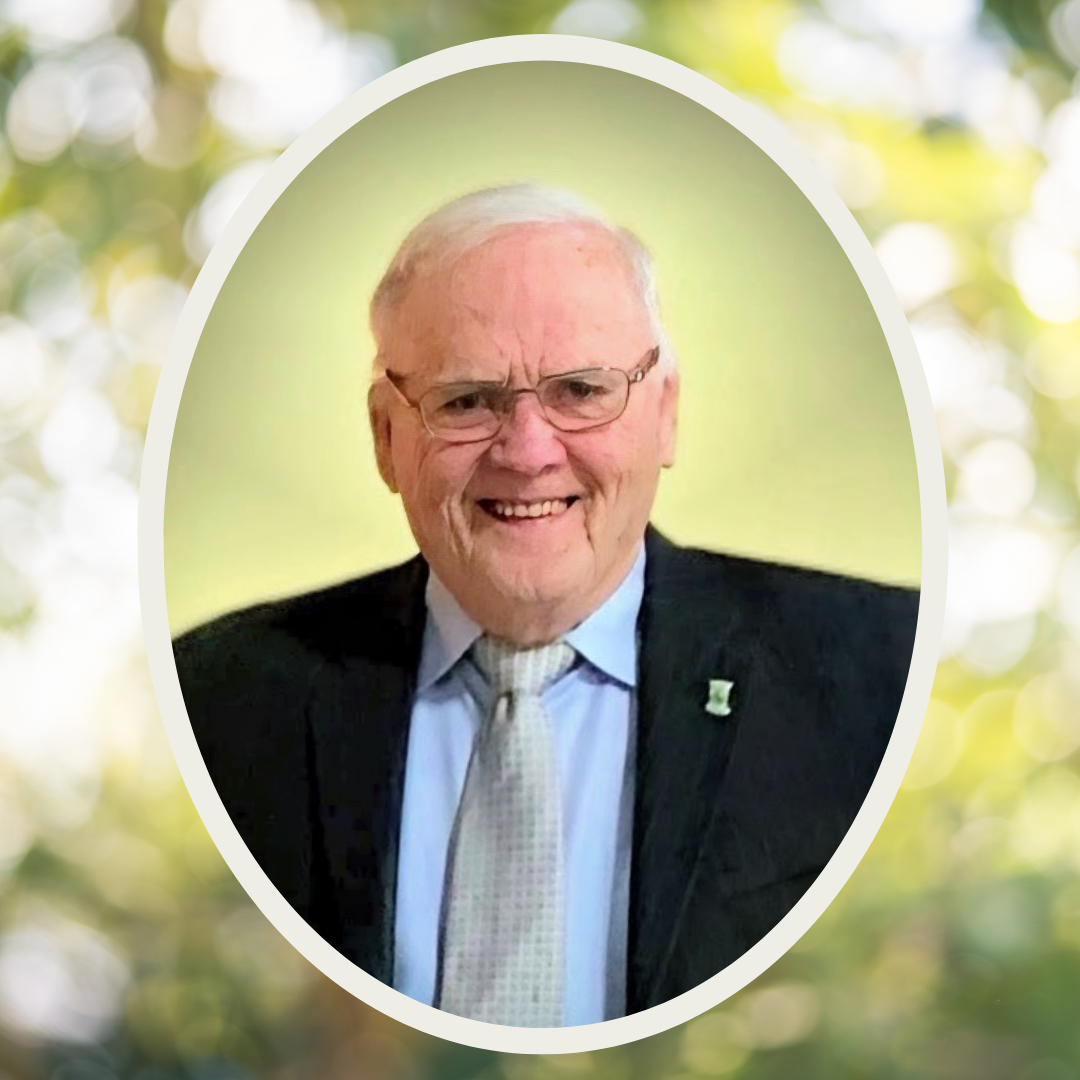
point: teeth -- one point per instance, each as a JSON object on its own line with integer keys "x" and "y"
{"x": 547, "y": 508}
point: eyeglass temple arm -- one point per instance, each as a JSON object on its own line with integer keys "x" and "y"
{"x": 647, "y": 366}
{"x": 392, "y": 379}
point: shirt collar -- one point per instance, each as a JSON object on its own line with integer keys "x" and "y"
{"x": 448, "y": 634}
{"x": 607, "y": 639}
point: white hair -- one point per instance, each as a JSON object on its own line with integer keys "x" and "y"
{"x": 467, "y": 222}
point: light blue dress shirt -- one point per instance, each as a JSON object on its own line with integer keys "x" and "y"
{"x": 592, "y": 709}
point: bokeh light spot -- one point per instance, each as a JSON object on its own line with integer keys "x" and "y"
{"x": 1046, "y": 718}
{"x": 920, "y": 260}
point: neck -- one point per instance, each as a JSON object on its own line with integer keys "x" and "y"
{"x": 528, "y": 622}
{"x": 528, "y": 628}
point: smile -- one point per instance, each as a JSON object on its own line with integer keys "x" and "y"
{"x": 506, "y": 510}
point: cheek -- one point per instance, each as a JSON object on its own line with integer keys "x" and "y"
{"x": 616, "y": 467}
{"x": 623, "y": 474}
{"x": 438, "y": 475}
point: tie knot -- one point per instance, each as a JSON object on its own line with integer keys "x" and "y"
{"x": 509, "y": 668}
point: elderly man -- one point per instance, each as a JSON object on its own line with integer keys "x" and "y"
{"x": 554, "y": 769}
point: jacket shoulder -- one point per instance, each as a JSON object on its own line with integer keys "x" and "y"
{"x": 365, "y": 616}
{"x": 263, "y": 661}
{"x": 776, "y": 595}
{"x": 828, "y": 637}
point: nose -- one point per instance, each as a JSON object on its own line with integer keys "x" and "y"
{"x": 527, "y": 443}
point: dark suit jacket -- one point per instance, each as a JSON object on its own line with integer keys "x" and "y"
{"x": 301, "y": 709}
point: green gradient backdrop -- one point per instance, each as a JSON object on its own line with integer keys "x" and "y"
{"x": 793, "y": 443}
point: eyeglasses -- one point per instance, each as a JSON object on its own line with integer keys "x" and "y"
{"x": 466, "y": 412}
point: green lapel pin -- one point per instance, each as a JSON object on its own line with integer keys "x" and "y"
{"x": 719, "y": 703}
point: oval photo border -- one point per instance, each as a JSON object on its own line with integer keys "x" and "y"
{"x": 770, "y": 137}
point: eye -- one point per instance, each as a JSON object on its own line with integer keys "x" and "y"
{"x": 582, "y": 389}
{"x": 463, "y": 403}
{"x": 576, "y": 391}
{"x": 469, "y": 401}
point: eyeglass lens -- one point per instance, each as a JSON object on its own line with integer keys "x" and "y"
{"x": 570, "y": 402}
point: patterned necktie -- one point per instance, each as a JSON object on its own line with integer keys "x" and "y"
{"x": 503, "y": 935}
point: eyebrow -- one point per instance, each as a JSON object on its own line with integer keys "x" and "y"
{"x": 465, "y": 363}
{"x": 400, "y": 379}
{"x": 469, "y": 382}
{"x": 550, "y": 375}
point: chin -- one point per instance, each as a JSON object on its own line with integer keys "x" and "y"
{"x": 537, "y": 583}
{"x": 542, "y": 585}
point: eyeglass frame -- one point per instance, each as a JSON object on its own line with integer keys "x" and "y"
{"x": 635, "y": 375}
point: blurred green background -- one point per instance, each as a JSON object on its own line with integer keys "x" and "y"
{"x": 793, "y": 435}
{"x": 131, "y": 132}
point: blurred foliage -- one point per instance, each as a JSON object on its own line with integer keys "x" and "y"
{"x": 132, "y": 129}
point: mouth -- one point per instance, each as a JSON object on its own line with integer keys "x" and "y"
{"x": 511, "y": 510}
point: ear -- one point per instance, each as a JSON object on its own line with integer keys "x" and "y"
{"x": 379, "y": 415}
{"x": 669, "y": 418}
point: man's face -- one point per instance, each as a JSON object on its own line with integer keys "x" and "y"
{"x": 532, "y": 301}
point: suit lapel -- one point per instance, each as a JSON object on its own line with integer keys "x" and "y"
{"x": 358, "y": 722}
{"x": 707, "y": 834}
{"x": 686, "y": 640}
{"x": 358, "y": 726}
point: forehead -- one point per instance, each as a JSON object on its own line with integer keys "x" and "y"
{"x": 531, "y": 292}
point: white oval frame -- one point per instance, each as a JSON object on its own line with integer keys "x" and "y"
{"x": 767, "y": 134}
